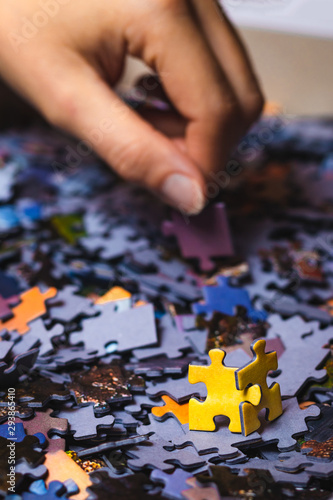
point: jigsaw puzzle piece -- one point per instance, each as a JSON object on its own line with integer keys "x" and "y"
{"x": 171, "y": 408}
{"x": 117, "y": 331}
{"x": 116, "y": 245}
{"x": 5, "y": 310}
{"x": 31, "y": 307}
{"x": 67, "y": 305}
{"x": 55, "y": 491}
{"x": 290, "y": 425}
{"x": 21, "y": 365}
{"x": 223, "y": 398}
{"x": 83, "y": 423}
{"x": 155, "y": 454}
{"x": 304, "y": 342}
{"x": 198, "y": 492}
{"x": 299, "y": 479}
{"x": 173, "y": 484}
{"x": 172, "y": 342}
{"x": 130, "y": 487}
{"x": 179, "y": 389}
{"x": 204, "y": 236}
{"x": 46, "y": 424}
{"x": 255, "y": 372}
{"x": 224, "y": 298}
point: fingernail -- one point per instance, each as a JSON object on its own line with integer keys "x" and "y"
{"x": 184, "y": 193}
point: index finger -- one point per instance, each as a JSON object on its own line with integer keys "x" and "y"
{"x": 195, "y": 83}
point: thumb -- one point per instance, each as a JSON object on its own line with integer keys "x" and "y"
{"x": 86, "y": 106}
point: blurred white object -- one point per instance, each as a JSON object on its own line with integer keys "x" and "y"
{"x": 291, "y": 44}
{"x": 306, "y": 17}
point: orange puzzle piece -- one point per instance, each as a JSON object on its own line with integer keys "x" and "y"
{"x": 114, "y": 295}
{"x": 61, "y": 467}
{"x": 31, "y": 307}
{"x": 172, "y": 407}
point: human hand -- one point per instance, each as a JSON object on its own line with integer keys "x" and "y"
{"x": 64, "y": 57}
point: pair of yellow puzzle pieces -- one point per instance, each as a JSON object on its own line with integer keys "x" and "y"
{"x": 237, "y": 393}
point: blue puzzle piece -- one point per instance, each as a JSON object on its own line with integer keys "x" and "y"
{"x": 55, "y": 491}
{"x": 224, "y": 298}
{"x": 16, "y": 433}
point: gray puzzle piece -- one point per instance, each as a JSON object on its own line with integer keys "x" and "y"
{"x": 96, "y": 223}
{"x": 222, "y": 441}
{"x": 121, "y": 331}
{"x": 5, "y": 348}
{"x": 170, "y": 429}
{"x": 153, "y": 454}
{"x": 172, "y": 268}
{"x": 124, "y": 418}
{"x": 24, "y": 344}
{"x": 71, "y": 305}
{"x": 296, "y": 461}
{"x": 83, "y": 423}
{"x": 304, "y": 352}
{"x": 186, "y": 289}
{"x": 140, "y": 403}
{"x": 8, "y": 174}
{"x": 300, "y": 479}
{"x": 179, "y": 389}
{"x": 288, "y": 306}
{"x": 160, "y": 366}
{"x": 292, "y": 423}
{"x": 67, "y": 356}
{"x": 173, "y": 483}
{"x": 21, "y": 365}
{"x": 39, "y": 331}
{"x": 116, "y": 245}
{"x": 262, "y": 281}
{"x": 171, "y": 341}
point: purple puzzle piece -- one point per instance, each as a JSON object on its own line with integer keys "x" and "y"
{"x": 5, "y": 311}
{"x": 43, "y": 422}
{"x": 203, "y": 236}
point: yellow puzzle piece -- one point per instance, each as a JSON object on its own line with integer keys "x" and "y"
{"x": 31, "y": 307}
{"x": 223, "y": 397}
{"x": 257, "y": 371}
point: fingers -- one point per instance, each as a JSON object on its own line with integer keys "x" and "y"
{"x": 232, "y": 56}
{"x": 195, "y": 83}
{"x": 137, "y": 151}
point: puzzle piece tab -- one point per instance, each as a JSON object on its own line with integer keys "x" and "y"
{"x": 223, "y": 398}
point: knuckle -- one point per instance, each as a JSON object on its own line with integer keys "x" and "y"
{"x": 221, "y": 109}
{"x": 253, "y": 105}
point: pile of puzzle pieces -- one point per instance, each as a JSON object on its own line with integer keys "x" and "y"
{"x": 110, "y": 304}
